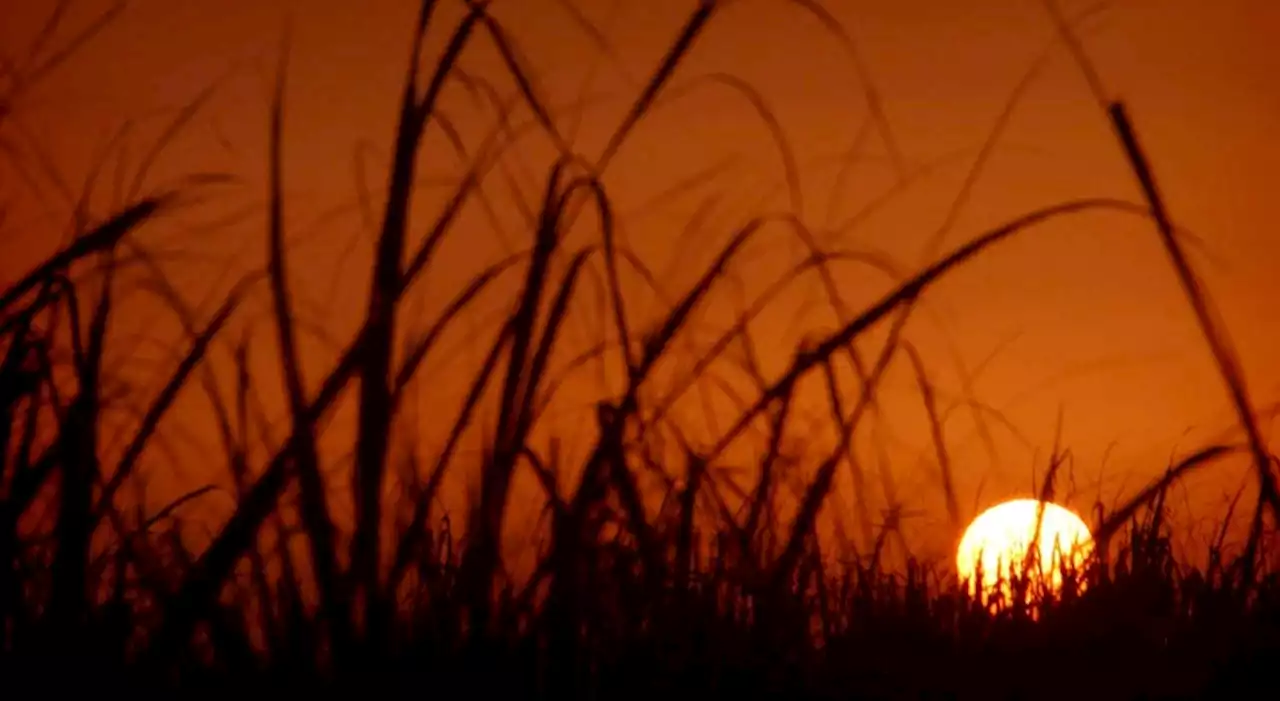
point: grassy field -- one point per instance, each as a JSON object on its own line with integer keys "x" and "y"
{"x": 653, "y": 573}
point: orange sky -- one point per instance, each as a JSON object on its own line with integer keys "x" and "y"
{"x": 1085, "y": 314}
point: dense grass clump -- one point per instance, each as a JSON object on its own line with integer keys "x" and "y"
{"x": 653, "y": 573}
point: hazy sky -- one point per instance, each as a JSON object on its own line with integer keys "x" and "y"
{"x": 1082, "y": 314}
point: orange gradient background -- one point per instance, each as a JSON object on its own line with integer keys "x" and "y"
{"x": 1083, "y": 315}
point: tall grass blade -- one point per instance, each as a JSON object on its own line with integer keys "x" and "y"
{"x": 935, "y": 431}
{"x": 102, "y": 238}
{"x": 315, "y": 508}
{"x": 374, "y": 412}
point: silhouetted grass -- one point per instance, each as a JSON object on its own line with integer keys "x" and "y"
{"x": 695, "y": 585}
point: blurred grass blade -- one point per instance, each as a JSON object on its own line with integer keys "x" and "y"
{"x": 168, "y": 393}
{"x": 939, "y": 440}
{"x": 374, "y": 409}
{"x": 102, "y": 238}
{"x": 908, "y": 291}
{"x": 319, "y": 526}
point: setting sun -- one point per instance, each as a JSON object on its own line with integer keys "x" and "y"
{"x": 998, "y": 540}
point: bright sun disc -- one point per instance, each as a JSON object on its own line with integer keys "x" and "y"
{"x": 999, "y": 540}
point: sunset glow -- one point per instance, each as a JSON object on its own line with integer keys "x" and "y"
{"x": 997, "y": 543}
{"x": 571, "y": 349}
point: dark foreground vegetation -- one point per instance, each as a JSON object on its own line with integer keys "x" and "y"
{"x": 653, "y": 574}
